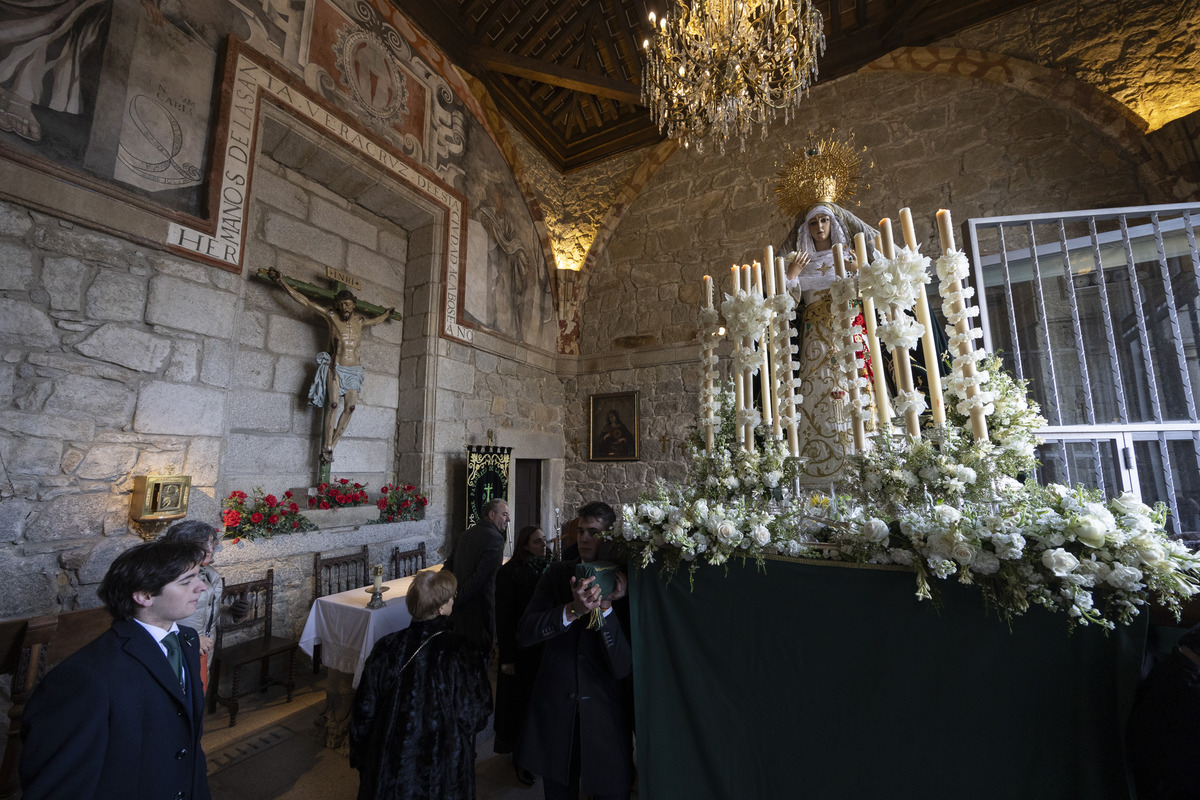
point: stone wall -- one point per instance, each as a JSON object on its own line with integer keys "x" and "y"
{"x": 1142, "y": 52}
{"x": 667, "y": 407}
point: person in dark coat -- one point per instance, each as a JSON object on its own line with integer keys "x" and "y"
{"x": 578, "y": 734}
{"x": 116, "y": 720}
{"x": 478, "y": 553}
{"x": 422, "y": 698}
{"x": 1164, "y": 727}
{"x": 515, "y": 582}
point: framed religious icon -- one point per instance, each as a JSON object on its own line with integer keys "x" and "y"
{"x": 613, "y": 432}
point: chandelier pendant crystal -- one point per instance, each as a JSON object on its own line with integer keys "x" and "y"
{"x": 714, "y": 69}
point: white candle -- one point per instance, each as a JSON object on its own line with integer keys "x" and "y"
{"x": 928, "y": 343}
{"x": 378, "y": 579}
{"x": 912, "y": 420}
{"x": 883, "y": 406}
{"x": 962, "y": 327}
{"x": 706, "y": 399}
{"x": 747, "y": 374}
{"x": 781, "y": 359}
{"x": 764, "y": 371}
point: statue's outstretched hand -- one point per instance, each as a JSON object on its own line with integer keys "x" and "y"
{"x": 274, "y": 275}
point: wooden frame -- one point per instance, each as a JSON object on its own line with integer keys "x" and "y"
{"x": 613, "y": 427}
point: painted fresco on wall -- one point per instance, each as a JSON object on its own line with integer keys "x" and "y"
{"x": 120, "y": 93}
{"x": 120, "y": 90}
{"x": 506, "y": 287}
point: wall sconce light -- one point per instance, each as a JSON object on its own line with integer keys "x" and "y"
{"x": 159, "y": 497}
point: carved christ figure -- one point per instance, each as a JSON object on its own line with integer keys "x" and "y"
{"x": 339, "y": 373}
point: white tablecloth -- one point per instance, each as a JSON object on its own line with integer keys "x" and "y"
{"x": 347, "y": 630}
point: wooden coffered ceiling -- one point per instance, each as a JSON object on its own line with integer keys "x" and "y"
{"x": 567, "y": 72}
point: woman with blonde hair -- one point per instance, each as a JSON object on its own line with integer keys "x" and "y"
{"x": 423, "y": 696}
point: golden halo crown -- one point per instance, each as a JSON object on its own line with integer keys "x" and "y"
{"x": 825, "y": 171}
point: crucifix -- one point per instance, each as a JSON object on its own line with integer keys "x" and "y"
{"x": 339, "y": 373}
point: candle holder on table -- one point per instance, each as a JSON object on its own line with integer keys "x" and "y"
{"x": 377, "y": 589}
{"x": 376, "y": 596}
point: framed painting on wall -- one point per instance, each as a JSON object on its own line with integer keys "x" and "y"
{"x": 613, "y": 429}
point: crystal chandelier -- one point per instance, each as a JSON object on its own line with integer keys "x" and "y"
{"x": 716, "y": 68}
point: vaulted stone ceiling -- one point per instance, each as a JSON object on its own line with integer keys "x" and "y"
{"x": 567, "y": 73}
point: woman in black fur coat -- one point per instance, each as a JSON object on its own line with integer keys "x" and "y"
{"x": 423, "y": 696}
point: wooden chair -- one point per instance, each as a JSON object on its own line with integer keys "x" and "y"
{"x": 334, "y": 574}
{"x": 408, "y": 562}
{"x": 28, "y": 649}
{"x": 260, "y": 594}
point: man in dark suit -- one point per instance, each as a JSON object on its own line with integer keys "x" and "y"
{"x": 478, "y": 553}
{"x": 578, "y": 734}
{"x": 121, "y": 719}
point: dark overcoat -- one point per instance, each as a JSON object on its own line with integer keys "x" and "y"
{"x": 478, "y": 553}
{"x": 515, "y": 584}
{"x": 111, "y": 722}
{"x": 581, "y": 673}
{"x": 412, "y": 732}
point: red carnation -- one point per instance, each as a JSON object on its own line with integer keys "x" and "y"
{"x": 312, "y": 501}
{"x": 256, "y": 517}
{"x": 343, "y": 481}
{"x": 358, "y": 486}
{"x": 424, "y": 501}
{"x": 409, "y": 488}
{"x": 231, "y": 518}
{"x": 341, "y": 498}
{"x": 296, "y": 523}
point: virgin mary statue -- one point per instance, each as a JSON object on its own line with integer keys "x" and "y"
{"x": 823, "y": 415}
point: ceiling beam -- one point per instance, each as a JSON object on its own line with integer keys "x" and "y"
{"x": 577, "y": 80}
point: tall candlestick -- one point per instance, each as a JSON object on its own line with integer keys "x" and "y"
{"x": 962, "y": 327}
{"x": 378, "y": 576}
{"x": 781, "y": 357}
{"x": 904, "y": 378}
{"x": 706, "y": 398}
{"x": 786, "y": 380}
{"x": 769, "y": 267}
{"x": 928, "y": 343}
{"x": 846, "y": 326}
{"x": 764, "y": 371}
{"x": 883, "y": 406}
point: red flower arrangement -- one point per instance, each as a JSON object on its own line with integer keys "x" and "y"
{"x": 339, "y": 493}
{"x": 400, "y": 503}
{"x": 261, "y": 516}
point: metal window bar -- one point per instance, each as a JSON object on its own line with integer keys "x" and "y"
{"x": 1175, "y": 474}
{"x": 1148, "y": 361}
{"x": 1044, "y": 331}
{"x": 1089, "y": 410}
{"x": 1106, "y": 315}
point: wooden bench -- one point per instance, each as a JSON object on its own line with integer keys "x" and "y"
{"x": 28, "y": 648}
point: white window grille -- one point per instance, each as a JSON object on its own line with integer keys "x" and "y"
{"x": 1100, "y": 312}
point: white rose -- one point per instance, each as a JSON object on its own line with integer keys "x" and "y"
{"x": 1089, "y": 529}
{"x": 1128, "y": 503}
{"x": 761, "y": 534}
{"x": 875, "y": 530}
{"x": 1149, "y": 548}
{"x": 963, "y": 553}
{"x": 1124, "y": 577}
{"x": 655, "y": 514}
{"x": 1059, "y": 561}
{"x": 727, "y": 532}
{"x": 947, "y": 515}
